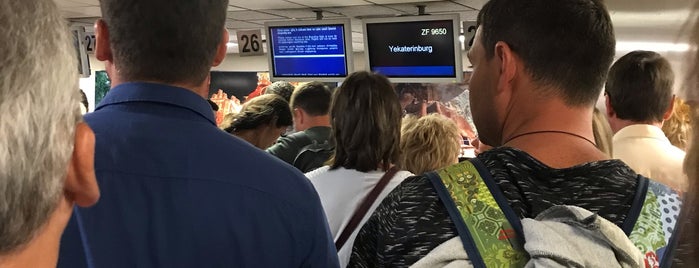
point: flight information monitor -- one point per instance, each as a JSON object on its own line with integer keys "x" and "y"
{"x": 309, "y": 50}
{"x": 414, "y": 49}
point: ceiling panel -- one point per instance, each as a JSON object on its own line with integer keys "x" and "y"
{"x": 301, "y": 13}
{"x": 648, "y": 5}
{"x": 476, "y": 4}
{"x": 433, "y": 7}
{"x": 63, "y": 4}
{"x": 386, "y": 2}
{"x": 241, "y": 25}
{"x": 233, "y": 36}
{"x": 634, "y": 20}
{"x": 81, "y": 12}
{"x": 252, "y": 15}
{"x": 330, "y": 3}
{"x": 367, "y": 11}
{"x": 234, "y": 8}
{"x": 463, "y": 15}
{"x": 263, "y": 4}
{"x": 87, "y": 2}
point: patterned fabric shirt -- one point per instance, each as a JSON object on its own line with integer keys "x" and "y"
{"x": 411, "y": 221}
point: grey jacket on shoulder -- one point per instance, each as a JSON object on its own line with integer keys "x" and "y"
{"x": 561, "y": 236}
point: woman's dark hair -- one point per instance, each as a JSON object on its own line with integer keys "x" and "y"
{"x": 261, "y": 110}
{"x": 366, "y": 118}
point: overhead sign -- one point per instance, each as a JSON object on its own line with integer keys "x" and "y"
{"x": 250, "y": 42}
{"x": 469, "y": 33}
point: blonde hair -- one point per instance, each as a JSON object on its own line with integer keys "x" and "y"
{"x": 678, "y": 127}
{"x": 428, "y": 143}
{"x": 227, "y": 121}
{"x": 408, "y": 121}
{"x": 602, "y": 132}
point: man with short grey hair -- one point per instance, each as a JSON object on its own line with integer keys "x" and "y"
{"x": 46, "y": 153}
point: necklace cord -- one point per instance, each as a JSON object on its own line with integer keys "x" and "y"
{"x": 550, "y": 131}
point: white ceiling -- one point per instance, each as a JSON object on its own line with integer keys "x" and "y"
{"x": 635, "y": 20}
{"x": 247, "y": 14}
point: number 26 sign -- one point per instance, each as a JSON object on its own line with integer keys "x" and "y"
{"x": 250, "y": 42}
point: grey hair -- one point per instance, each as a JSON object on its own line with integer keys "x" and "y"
{"x": 281, "y": 88}
{"x": 39, "y": 109}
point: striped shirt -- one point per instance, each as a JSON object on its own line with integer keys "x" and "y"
{"x": 411, "y": 221}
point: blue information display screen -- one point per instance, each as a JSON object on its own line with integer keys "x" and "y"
{"x": 308, "y": 51}
{"x": 412, "y": 49}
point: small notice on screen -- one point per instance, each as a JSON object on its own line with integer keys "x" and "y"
{"x": 308, "y": 51}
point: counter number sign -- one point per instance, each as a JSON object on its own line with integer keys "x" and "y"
{"x": 469, "y": 33}
{"x": 250, "y": 42}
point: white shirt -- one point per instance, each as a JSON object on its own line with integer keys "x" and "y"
{"x": 647, "y": 151}
{"x": 341, "y": 191}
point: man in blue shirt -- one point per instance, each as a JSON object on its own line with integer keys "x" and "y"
{"x": 177, "y": 191}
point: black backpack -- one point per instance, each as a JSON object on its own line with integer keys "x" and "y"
{"x": 313, "y": 156}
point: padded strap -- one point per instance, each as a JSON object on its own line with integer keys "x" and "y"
{"x": 636, "y": 206}
{"x": 481, "y": 221}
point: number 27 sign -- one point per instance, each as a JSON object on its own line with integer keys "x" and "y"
{"x": 250, "y": 42}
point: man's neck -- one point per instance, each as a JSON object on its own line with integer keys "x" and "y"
{"x": 556, "y": 134}
{"x": 201, "y": 90}
{"x": 316, "y": 121}
{"x": 42, "y": 250}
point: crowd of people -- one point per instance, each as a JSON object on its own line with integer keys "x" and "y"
{"x": 309, "y": 176}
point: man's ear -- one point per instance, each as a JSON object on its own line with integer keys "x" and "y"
{"x": 508, "y": 63}
{"x": 608, "y": 105}
{"x": 222, "y": 47}
{"x": 670, "y": 109}
{"x": 298, "y": 115}
{"x": 81, "y": 185}
{"x": 103, "y": 50}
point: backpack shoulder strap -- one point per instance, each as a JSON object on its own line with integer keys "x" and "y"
{"x": 636, "y": 205}
{"x": 657, "y": 222}
{"x": 489, "y": 229}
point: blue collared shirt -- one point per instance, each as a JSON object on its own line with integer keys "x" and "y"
{"x": 178, "y": 192}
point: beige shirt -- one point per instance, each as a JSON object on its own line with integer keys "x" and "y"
{"x": 648, "y": 152}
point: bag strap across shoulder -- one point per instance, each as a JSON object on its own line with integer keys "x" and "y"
{"x": 492, "y": 234}
{"x": 655, "y": 227}
{"x": 364, "y": 207}
{"x": 490, "y": 231}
